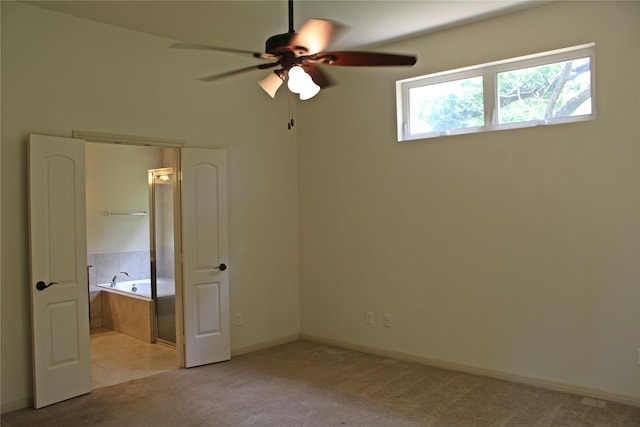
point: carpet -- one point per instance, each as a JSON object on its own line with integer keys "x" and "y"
{"x": 309, "y": 384}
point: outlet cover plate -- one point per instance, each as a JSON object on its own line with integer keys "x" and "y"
{"x": 386, "y": 320}
{"x": 369, "y": 318}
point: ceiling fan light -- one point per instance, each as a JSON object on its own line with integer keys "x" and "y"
{"x": 297, "y": 79}
{"x": 301, "y": 82}
{"x": 271, "y": 83}
{"x": 309, "y": 92}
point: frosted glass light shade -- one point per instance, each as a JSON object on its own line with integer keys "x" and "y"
{"x": 301, "y": 82}
{"x": 271, "y": 83}
{"x": 309, "y": 92}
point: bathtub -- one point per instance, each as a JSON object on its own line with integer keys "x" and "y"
{"x": 140, "y": 289}
{"x": 128, "y": 307}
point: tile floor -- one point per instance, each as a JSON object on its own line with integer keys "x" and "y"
{"x": 117, "y": 358}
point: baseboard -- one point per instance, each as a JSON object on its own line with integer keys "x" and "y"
{"x": 15, "y": 405}
{"x": 501, "y": 375}
{"x": 263, "y": 345}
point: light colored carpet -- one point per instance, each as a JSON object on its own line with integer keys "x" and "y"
{"x": 309, "y": 384}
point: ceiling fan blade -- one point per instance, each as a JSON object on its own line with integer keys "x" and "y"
{"x": 314, "y": 36}
{"x": 272, "y": 82}
{"x": 363, "y": 59}
{"x": 318, "y": 76}
{"x": 196, "y": 46}
{"x": 238, "y": 71}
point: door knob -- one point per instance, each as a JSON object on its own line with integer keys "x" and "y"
{"x": 41, "y": 286}
{"x": 221, "y": 267}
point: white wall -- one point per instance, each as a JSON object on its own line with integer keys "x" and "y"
{"x": 514, "y": 251}
{"x": 61, "y": 73}
{"x": 116, "y": 181}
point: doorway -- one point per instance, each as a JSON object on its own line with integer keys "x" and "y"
{"x": 130, "y": 200}
{"x": 59, "y": 227}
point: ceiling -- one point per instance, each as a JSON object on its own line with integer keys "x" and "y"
{"x": 244, "y": 24}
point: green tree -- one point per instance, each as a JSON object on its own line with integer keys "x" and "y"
{"x": 544, "y": 92}
{"x": 529, "y": 94}
{"x": 456, "y": 109}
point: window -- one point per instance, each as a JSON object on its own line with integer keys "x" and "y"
{"x": 546, "y": 88}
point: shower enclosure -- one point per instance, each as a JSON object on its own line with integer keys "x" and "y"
{"x": 162, "y": 184}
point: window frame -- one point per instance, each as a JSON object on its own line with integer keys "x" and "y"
{"x": 489, "y": 73}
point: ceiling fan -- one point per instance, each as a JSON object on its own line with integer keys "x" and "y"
{"x": 298, "y": 56}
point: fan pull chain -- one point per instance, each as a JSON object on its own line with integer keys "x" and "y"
{"x": 290, "y": 123}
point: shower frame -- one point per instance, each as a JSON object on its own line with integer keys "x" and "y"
{"x": 153, "y": 175}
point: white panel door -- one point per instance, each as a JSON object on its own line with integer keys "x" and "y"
{"x": 204, "y": 246}
{"x": 59, "y": 293}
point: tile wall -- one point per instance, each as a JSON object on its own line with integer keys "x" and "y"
{"x": 105, "y": 265}
{"x": 102, "y": 268}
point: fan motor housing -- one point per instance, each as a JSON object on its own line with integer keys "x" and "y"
{"x": 279, "y": 43}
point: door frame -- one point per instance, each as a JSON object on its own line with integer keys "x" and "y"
{"x": 177, "y": 145}
{"x": 213, "y": 159}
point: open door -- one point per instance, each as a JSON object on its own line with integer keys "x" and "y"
{"x": 59, "y": 299}
{"x": 204, "y": 254}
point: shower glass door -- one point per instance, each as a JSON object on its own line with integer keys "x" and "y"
{"x": 161, "y": 189}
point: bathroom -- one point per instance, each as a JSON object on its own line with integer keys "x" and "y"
{"x": 130, "y": 194}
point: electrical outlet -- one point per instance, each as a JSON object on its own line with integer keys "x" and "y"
{"x": 386, "y": 320}
{"x": 239, "y": 319}
{"x": 369, "y": 318}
